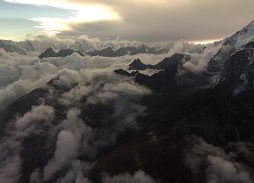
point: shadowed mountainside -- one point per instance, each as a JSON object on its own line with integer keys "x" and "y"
{"x": 62, "y": 53}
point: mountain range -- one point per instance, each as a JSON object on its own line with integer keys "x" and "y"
{"x": 91, "y": 47}
{"x": 183, "y": 123}
{"x": 82, "y": 46}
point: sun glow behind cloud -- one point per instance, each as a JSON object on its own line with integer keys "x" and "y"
{"x": 81, "y": 13}
{"x": 206, "y": 41}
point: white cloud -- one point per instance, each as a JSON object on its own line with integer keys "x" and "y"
{"x": 20, "y": 75}
{"x": 65, "y": 150}
{"x": 198, "y": 62}
{"x": 138, "y": 177}
{"x": 66, "y": 78}
{"x": 75, "y": 95}
{"x": 38, "y": 113}
{"x": 221, "y": 170}
{"x": 221, "y": 166}
{"x": 11, "y": 143}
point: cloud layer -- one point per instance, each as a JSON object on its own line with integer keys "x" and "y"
{"x": 76, "y": 82}
{"x": 219, "y": 165}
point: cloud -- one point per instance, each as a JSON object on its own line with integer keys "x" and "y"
{"x": 11, "y": 143}
{"x": 198, "y": 62}
{"x": 65, "y": 150}
{"x": 98, "y": 86}
{"x": 21, "y": 74}
{"x": 66, "y": 78}
{"x": 146, "y": 20}
{"x": 221, "y": 170}
{"x": 127, "y": 89}
{"x": 72, "y": 142}
{"x": 220, "y": 166}
{"x": 32, "y": 77}
{"x": 177, "y": 48}
{"x": 77, "y": 139}
{"x": 35, "y": 177}
{"x": 10, "y": 169}
{"x": 38, "y": 113}
{"x": 141, "y": 23}
{"x": 138, "y": 177}
{"x": 75, "y": 95}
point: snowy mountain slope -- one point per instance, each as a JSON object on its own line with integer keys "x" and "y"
{"x": 231, "y": 45}
{"x": 11, "y": 47}
{"x": 242, "y": 37}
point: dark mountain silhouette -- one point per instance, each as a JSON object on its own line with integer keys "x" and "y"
{"x": 173, "y": 60}
{"x": 62, "y": 53}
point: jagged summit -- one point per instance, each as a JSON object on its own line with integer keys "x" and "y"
{"x": 138, "y": 65}
{"x": 174, "y": 59}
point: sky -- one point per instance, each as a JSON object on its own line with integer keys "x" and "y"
{"x": 140, "y": 20}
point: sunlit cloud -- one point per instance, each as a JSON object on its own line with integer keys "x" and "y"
{"x": 206, "y": 41}
{"x": 81, "y": 13}
{"x": 141, "y": 20}
{"x": 51, "y": 26}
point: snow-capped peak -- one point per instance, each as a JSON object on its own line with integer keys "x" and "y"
{"x": 244, "y": 36}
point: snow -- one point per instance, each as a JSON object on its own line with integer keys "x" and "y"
{"x": 245, "y": 36}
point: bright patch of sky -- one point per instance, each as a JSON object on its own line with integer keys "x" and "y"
{"x": 14, "y": 19}
{"x": 14, "y": 10}
{"x": 54, "y": 16}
